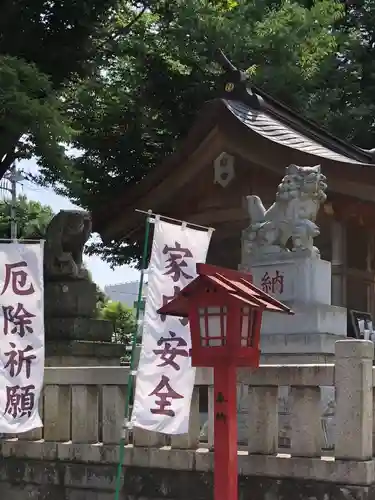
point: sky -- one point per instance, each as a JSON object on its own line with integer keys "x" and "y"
{"x": 102, "y": 274}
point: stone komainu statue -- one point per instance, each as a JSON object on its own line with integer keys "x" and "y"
{"x": 66, "y": 236}
{"x": 291, "y": 217}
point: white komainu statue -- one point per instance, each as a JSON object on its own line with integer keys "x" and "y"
{"x": 292, "y": 215}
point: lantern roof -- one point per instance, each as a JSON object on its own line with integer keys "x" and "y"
{"x": 236, "y": 284}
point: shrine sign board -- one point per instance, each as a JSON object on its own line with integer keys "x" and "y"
{"x": 22, "y": 336}
{"x": 165, "y": 378}
{"x": 354, "y": 324}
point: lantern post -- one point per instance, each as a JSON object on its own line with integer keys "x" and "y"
{"x": 225, "y": 315}
{"x": 225, "y": 432}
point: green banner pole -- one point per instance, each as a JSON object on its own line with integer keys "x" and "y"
{"x": 132, "y": 358}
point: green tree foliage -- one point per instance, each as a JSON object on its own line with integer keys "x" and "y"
{"x": 101, "y": 300}
{"x": 122, "y": 319}
{"x": 31, "y": 217}
{"x": 44, "y": 46}
{"x": 350, "y": 107}
{"x": 123, "y": 80}
{"x": 31, "y": 121}
{"x": 133, "y": 113}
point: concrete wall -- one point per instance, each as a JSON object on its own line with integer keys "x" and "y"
{"x": 25, "y": 479}
{"x": 126, "y": 293}
{"x": 56, "y": 481}
{"x": 151, "y": 484}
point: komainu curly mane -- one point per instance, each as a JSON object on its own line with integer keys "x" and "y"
{"x": 299, "y": 182}
{"x": 291, "y": 217}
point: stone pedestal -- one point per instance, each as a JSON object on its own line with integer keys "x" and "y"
{"x": 293, "y": 277}
{"x": 74, "y": 337}
{"x": 99, "y": 330}
{"x": 304, "y": 284}
{"x": 70, "y": 299}
{"x": 298, "y": 278}
{"x": 83, "y": 353}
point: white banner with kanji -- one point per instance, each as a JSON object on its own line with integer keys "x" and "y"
{"x": 21, "y": 336}
{"x": 165, "y": 378}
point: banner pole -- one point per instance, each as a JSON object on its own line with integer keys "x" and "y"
{"x": 132, "y": 358}
{"x": 179, "y": 221}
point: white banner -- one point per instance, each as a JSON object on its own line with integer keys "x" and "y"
{"x": 165, "y": 378}
{"x": 22, "y": 336}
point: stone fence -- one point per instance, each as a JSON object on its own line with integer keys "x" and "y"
{"x": 83, "y": 414}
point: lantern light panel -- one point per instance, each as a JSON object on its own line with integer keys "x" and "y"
{"x": 247, "y": 325}
{"x": 213, "y": 326}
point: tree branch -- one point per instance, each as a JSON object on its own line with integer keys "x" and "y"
{"x": 7, "y": 163}
{"x": 8, "y": 155}
{"x": 126, "y": 29}
{"x": 123, "y": 31}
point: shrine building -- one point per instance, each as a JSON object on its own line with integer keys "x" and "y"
{"x": 238, "y": 145}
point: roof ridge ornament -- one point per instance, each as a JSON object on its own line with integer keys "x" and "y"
{"x": 236, "y": 83}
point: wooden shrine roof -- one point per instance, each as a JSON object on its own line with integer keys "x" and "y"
{"x": 272, "y": 127}
{"x": 255, "y": 116}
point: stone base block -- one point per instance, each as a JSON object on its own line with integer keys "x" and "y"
{"x": 294, "y": 278}
{"x": 292, "y": 358}
{"x": 82, "y": 353}
{"x": 313, "y": 330}
{"x": 78, "y": 329}
{"x": 284, "y": 345}
{"x": 70, "y": 298}
{"x": 308, "y": 319}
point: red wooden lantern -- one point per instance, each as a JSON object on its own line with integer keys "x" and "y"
{"x": 225, "y": 315}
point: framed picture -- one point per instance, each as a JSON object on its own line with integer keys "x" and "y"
{"x": 354, "y": 320}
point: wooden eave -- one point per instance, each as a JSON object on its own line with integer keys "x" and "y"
{"x": 349, "y": 178}
{"x": 200, "y": 145}
{"x": 217, "y": 128}
{"x": 312, "y": 129}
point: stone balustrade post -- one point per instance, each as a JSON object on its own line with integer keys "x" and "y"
{"x": 353, "y": 383}
{"x": 263, "y": 420}
{"x": 190, "y": 440}
{"x": 306, "y": 428}
{"x": 243, "y": 413}
{"x": 57, "y": 412}
{"x": 85, "y": 413}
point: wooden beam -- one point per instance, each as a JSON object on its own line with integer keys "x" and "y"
{"x": 359, "y": 181}
{"x": 357, "y": 190}
{"x": 207, "y": 151}
{"x": 219, "y": 216}
{"x": 251, "y": 154}
{"x": 338, "y": 286}
{"x": 363, "y": 192}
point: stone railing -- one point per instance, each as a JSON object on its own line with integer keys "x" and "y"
{"x": 83, "y": 414}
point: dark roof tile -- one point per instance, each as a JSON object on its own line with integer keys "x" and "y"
{"x": 264, "y": 124}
